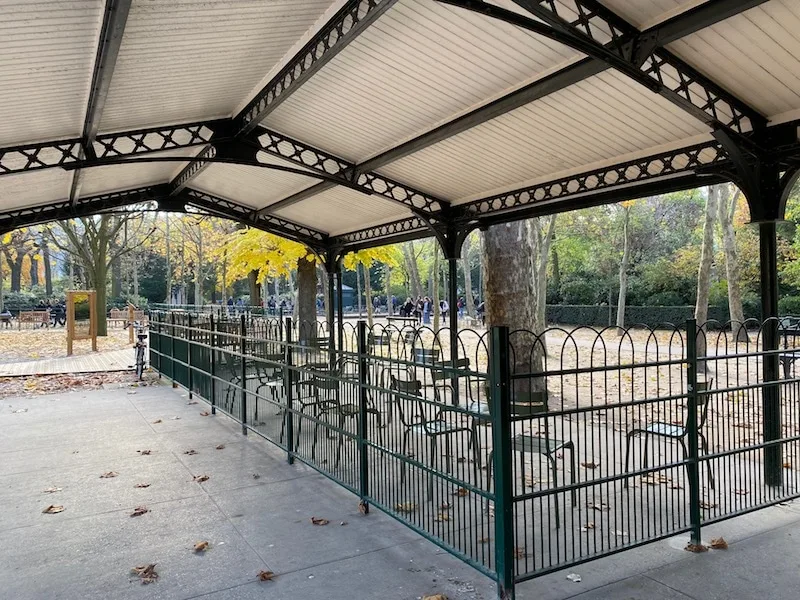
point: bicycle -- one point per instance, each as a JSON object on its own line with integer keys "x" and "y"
{"x": 140, "y": 348}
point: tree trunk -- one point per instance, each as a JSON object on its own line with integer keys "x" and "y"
{"x": 467, "y": 265}
{"x": 368, "y": 292}
{"x": 198, "y": 271}
{"x": 623, "y": 270}
{"x": 168, "y": 298}
{"x": 725, "y": 211}
{"x": 116, "y": 278}
{"x": 306, "y": 295}
{"x": 556, "y": 272}
{"x": 224, "y": 277}
{"x": 255, "y": 288}
{"x": 135, "y": 273}
{"x": 704, "y": 271}
{"x": 413, "y": 271}
{"x": 16, "y": 272}
{"x": 322, "y": 274}
{"x": 34, "y": 268}
{"x": 99, "y": 278}
{"x": 510, "y": 286}
{"x": 48, "y": 272}
{"x": 542, "y": 229}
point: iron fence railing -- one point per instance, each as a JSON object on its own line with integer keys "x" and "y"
{"x": 519, "y": 452}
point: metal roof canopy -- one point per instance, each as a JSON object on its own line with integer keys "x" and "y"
{"x": 350, "y": 123}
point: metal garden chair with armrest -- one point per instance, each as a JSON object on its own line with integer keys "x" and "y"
{"x": 534, "y": 404}
{"x": 675, "y": 432}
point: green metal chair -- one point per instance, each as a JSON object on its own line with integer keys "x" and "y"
{"x": 534, "y": 404}
{"x": 419, "y": 423}
{"x": 675, "y": 432}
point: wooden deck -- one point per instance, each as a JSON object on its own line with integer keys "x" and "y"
{"x": 114, "y": 360}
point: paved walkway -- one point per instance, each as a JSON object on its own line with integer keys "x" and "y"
{"x": 113, "y": 360}
{"x": 255, "y": 511}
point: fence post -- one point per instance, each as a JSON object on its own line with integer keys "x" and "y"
{"x": 172, "y": 349}
{"x": 189, "y": 353}
{"x": 500, "y": 408}
{"x": 288, "y": 415}
{"x": 213, "y": 365}
{"x": 243, "y": 397}
{"x": 362, "y": 414}
{"x": 693, "y": 464}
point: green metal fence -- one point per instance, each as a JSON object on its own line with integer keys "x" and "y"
{"x": 520, "y": 453}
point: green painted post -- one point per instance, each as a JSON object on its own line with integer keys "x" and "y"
{"x": 189, "y": 354}
{"x": 288, "y": 415}
{"x": 363, "y": 431}
{"x": 500, "y": 408}
{"x": 693, "y": 465}
{"x": 243, "y": 397}
{"x": 213, "y": 367}
{"x": 172, "y": 348}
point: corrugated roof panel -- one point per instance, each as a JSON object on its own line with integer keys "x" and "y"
{"x": 113, "y": 178}
{"x": 755, "y": 55}
{"x": 605, "y": 116}
{"x": 646, "y": 13}
{"x": 251, "y": 186}
{"x": 419, "y": 64}
{"x": 34, "y": 188}
{"x": 342, "y": 210}
{"x": 184, "y": 60}
{"x": 48, "y": 50}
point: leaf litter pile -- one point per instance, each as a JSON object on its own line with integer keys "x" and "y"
{"x": 40, "y": 385}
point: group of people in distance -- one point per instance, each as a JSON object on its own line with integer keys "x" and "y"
{"x": 422, "y": 309}
{"x": 57, "y": 310}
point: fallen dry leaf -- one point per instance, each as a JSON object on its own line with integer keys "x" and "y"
{"x": 108, "y": 475}
{"x": 190, "y": 452}
{"x": 200, "y": 478}
{"x": 719, "y": 543}
{"x": 139, "y": 511}
{"x": 461, "y": 492}
{"x": 205, "y": 413}
{"x": 588, "y": 526}
{"x": 145, "y": 452}
{"x": 221, "y": 447}
{"x": 436, "y": 597}
{"x": 51, "y": 490}
{"x": 201, "y": 546}
{"x": 787, "y": 465}
{"x": 519, "y": 552}
{"x": 147, "y": 573}
{"x": 707, "y": 505}
{"x": 442, "y": 517}
{"x": 319, "y": 521}
{"x": 406, "y": 507}
{"x": 266, "y": 575}
{"x": 445, "y": 506}
{"x": 589, "y": 465}
{"x": 142, "y": 485}
{"x": 157, "y": 421}
{"x": 362, "y": 507}
{"x": 697, "y": 548}
{"x": 190, "y": 402}
{"x": 53, "y": 509}
{"x": 483, "y": 540}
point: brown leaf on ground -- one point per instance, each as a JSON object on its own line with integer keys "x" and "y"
{"x": 51, "y": 490}
{"x": 108, "y": 475}
{"x": 220, "y": 446}
{"x": 205, "y": 413}
{"x": 436, "y": 597}
{"x": 519, "y": 552}
{"x": 362, "y": 507}
{"x": 201, "y": 546}
{"x": 787, "y": 465}
{"x": 266, "y": 575}
{"x": 483, "y": 540}
{"x": 53, "y": 509}
{"x": 139, "y": 511}
{"x": 200, "y": 478}
{"x": 445, "y": 506}
{"x": 145, "y": 452}
{"x": 719, "y": 543}
{"x": 461, "y": 492}
{"x": 190, "y": 402}
{"x": 589, "y": 465}
{"x": 319, "y": 521}
{"x": 157, "y": 421}
{"x": 142, "y": 485}
{"x": 147, "y": 573}
{"x": 442, "y": 517}
{"x": 697, "y": 548}
{"x": 190, "y": 452}
{"x": 707, "y": 505}
{"x": 406, "y": 507}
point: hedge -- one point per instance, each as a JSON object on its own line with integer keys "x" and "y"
{"x": 652, "y": 316}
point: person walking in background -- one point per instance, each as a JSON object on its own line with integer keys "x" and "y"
{"x": 418, "y": 308}
{"x": 461, "y": 308}
{"x": 426, "y": 311}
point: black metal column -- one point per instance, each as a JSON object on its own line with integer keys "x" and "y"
{"x": 452, "y": 299}
{"x": 770, "y": 398}
{"x": 339, "y": 306}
